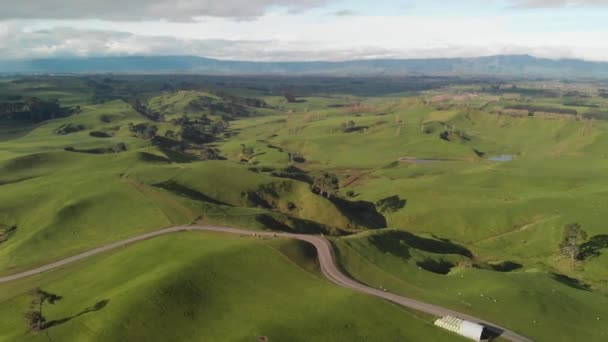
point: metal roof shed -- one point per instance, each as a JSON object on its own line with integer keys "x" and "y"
{"x": 471, "y": 330}
{"x": 461, "y": 327}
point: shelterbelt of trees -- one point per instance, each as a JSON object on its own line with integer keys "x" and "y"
{"x": 34, "y": 109}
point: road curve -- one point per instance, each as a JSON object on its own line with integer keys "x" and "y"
{"x": 327, "y": 261}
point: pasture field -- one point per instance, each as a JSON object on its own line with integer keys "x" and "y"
{"x": 212, "y": 287}
{"x": 405, "y": 183}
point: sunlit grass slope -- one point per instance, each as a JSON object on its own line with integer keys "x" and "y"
{"x": 206, "y": 287}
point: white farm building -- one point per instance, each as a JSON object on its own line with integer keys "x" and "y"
{"x": 461, "y": 327}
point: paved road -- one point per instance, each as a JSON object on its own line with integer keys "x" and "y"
{"x": 329, "y": 269}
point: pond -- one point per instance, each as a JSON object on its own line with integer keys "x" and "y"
{"x": 503, "y": 158}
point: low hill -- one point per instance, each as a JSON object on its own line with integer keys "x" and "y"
{"x": 205, "y": 287}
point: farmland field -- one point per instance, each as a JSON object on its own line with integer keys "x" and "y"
{"x": 403, "y": 179}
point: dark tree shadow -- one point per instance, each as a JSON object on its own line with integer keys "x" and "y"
{"x": 297, "y": 225}
{"x": 254, "y": 199}
{"x": 119, "y": 148}
{"x": 275, "y": 148}
{"x": 362, "y": 213}
{"x": 6, "y": 232}
{"x": 391, "y": 204}
{"x": 571, "y": 282}
{"x": 179, "y": 157}
{"x": 261, "y": 169}
{"x": 153, "y": 158}
{"x": 593, "y": 248}
{"x": 436, "y": 266}
{"x": 398, "y": 243}
{"x": 454, "y": 247}
{"x": 293, "y": 172}
{"x": 98, "y": 306}
{"x": 479, "y": 153}
{"x": 447, "y": 136}
{"x": 394, "y": 246}
{"x": 181, "y": 190}
{"x": 355, "y": 129}
{"x": 296, "y": 158}
{"x": 437, "y": 245}
{"x": 99, "y": 134}
{"x": 506, "y": 266}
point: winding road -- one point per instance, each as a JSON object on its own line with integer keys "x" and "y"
{"x": 327, "y": 261}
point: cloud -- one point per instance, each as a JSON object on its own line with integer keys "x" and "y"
{"x": 344, "y": 13}
{"x": 557, "y": 3}
{"x": 19, "y": 43}
{"x": 16, "y": 43}
{"x": 133, "y": 10}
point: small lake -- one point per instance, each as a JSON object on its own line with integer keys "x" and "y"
{"x": 503, "y": 158}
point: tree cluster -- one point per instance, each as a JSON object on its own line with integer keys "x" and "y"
{"x": 290, "y": 97}
{"x": 247, "y": 151}
{"x": 35, "y": 110}
{"x": 35, "y": 318}
{"x": 243, "y": 101}
{"x": 348, "y": 127}
{"x": 144, "y": 130}
{"x": 326, "y": 185}
{"x": 573, "y": 238}
{"x": 142, "y": 109}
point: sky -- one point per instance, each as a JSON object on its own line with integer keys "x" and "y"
{"x": 304, "y": 30}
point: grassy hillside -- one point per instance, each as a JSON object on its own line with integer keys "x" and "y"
{"x": 418, "y": 202}
{"x": 206, "y": 287}
{"x": 530, "y": 298}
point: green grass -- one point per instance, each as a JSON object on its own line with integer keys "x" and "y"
{"x": 207, "y": 287}
{"x": 66, "y": 202}
{"x": 522, "y": 297}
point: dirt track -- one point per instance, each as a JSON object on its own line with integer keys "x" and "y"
{"x": 329, "y": 269}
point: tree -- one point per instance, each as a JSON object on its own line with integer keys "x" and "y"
{"x": 574, "y": 237}
{"x": 348, "y": 126}
{"x": 326, "y": 185}
{"x": 34, "y": 317}
{"x": 289, "y": 97}
{"x": 247, "y": 151}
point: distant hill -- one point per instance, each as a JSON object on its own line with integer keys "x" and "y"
{"x": 506, "y": 65}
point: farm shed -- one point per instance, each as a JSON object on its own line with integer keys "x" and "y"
{"x": 461, "y": 327}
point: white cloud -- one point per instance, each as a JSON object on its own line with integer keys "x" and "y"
{"x": 17, "y": 42}
{"x": 133, "y": 10}
{"x": 557, "y": 3}
{"x": 63, "y": 42}
{"x": 278, "y": 35}
{"x": 345, "y": 13}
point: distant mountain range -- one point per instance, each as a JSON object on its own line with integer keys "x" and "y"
{"x": 506, "y": 65}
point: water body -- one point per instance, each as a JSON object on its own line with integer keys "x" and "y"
{"x": 503, "y": 158}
